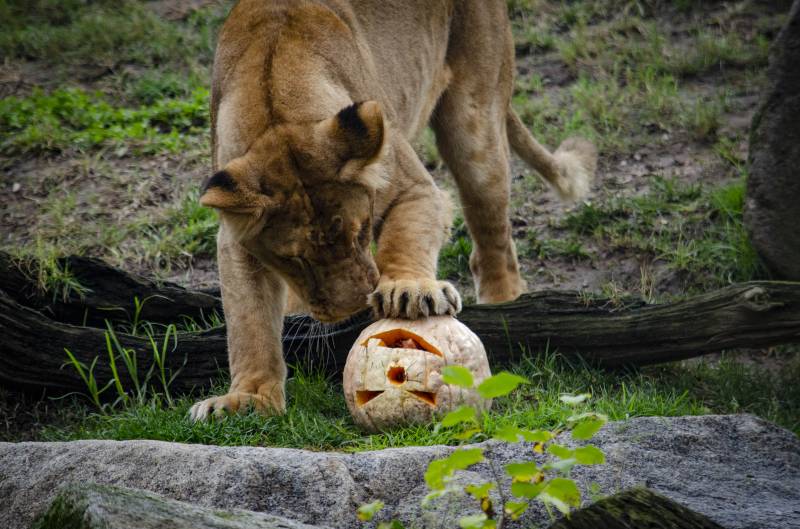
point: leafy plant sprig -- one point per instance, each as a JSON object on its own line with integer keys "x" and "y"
{"x": 548, "y": 483}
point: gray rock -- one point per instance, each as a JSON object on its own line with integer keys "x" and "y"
{"x": 740, "y": 471}
{"x": 105, "y": 507}
{"x": 772, "y": 207}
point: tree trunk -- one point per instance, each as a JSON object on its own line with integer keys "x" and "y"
{"x": 772, "y": 205}
{"x": 36, "y": 330}
{"x": 637, "y": 508}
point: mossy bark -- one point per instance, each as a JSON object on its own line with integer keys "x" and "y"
{"x": 636, "y": 509}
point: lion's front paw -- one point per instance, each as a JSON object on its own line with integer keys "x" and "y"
{"x": 414, "y": 299}
{"x": 235, "y": 402}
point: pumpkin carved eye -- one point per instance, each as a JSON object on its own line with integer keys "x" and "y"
{"x": 362, "y": 397}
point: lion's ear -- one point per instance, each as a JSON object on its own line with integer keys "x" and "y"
{"x": 224, "y": 191}
{"x": 360, "y": 130}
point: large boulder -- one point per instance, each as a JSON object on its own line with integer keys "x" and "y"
{"x": 772, "y": 207}
{"x": 94, "y": 506}
{"x": 740, "y": 471}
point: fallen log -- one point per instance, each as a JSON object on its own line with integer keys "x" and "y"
{"x": 107, "y": 293}
{"x": 605, "y": 333}
{"x": 635, "y": 509}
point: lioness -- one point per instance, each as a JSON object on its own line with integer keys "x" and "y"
{"x": 314, "y": 107}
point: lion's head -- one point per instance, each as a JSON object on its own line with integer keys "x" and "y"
{"x": 301, "y": 201}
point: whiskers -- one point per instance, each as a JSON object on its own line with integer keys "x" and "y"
{"x": 309, "y": 341}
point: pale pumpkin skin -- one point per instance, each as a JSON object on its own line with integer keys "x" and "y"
{"x": 314, "y": 108}
{"x": 379, "y": 399}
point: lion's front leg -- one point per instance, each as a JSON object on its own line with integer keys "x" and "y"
{"x": 408, "y": 248}
{"x": 253, "y": 299}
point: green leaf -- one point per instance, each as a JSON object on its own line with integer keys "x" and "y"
{"x": 560, "y": 451}
{"x": 466, "y": 435}
{"x": 500, "y": 384}
{"x": 562, "y": 465}
{"x": 552, "y": 500}
{"x": 522, "y": 489}
{"x": 574, "y": 400}
{"x": 586, "y": 428}
{"x": 511, "y": 434}
{"x": 522, "y": 471}
{"x": 440, "y": 469}
{"x": 479, "y": 491}
{"x": 476, "y": 521}
{"x": 436, "y": 472}
{"x": 366, "y": 512}
{"x": 394, "y": 524}
{"x": 457, "y": 376}
{"x": 464, "y": 458}
{"x": 572, "y": 419}
{"x": 565, "y": 490}
{"x": 536, "y": 436}
{"x": 514, "y": 509}
{"x": 461, "y": 415}
{"x": 590, "y": 455}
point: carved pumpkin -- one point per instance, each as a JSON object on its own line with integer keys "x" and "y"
{"x": 393, "y": 373}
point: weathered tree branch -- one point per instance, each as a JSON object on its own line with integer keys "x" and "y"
{"x": 35, "y": 329}
{"x": 109, "y": 294}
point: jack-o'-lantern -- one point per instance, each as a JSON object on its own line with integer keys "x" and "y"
{"x": 393, "y": 373}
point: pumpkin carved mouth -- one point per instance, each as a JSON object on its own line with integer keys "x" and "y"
{"x": 426, "y": 397}
{"x": 363, "y": 397}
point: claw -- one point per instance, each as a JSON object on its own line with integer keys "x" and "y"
{"x": 413, "y": 299}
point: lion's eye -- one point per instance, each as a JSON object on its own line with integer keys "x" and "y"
{"x": 364, "y": 236}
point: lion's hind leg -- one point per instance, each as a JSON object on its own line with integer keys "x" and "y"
{"x": 472, "y": 141}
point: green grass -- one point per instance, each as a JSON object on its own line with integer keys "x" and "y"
{"x": 633, "y": 73}
{"x": 105, "y": 33}
{"x": 620, "y": 111}
{"x": 182, "y": 232}
{"x": 699, "y": 233}
{"x": 570, "y": 247}
{"x": 171, "y": 237}
{"x": 454, "y": 255}
{"x": 73, "y": 119}
{"x": 317, "y": 418}
{"x": 51, "y": 275}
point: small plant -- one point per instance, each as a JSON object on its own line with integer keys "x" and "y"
{"x": 454, "y": 256}
{"x": 51, "y": 274}
{"x": 548, "y": 483}
{"x": 141, "y": 390}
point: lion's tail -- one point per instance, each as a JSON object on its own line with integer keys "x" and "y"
{"x": 570, "y": 170}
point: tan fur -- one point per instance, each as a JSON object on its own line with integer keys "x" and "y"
{"x": 306, "y": 181}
